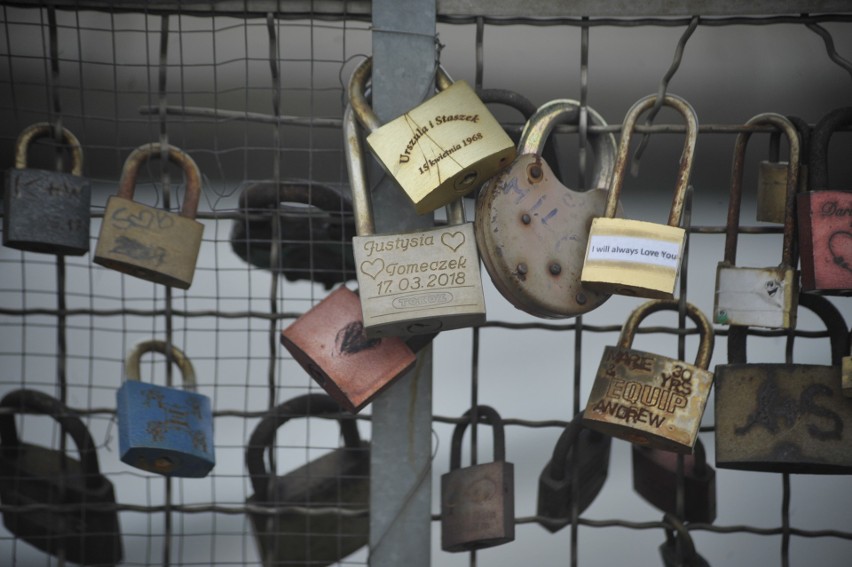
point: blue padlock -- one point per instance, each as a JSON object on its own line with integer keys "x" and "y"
{"x": 164, "y": 430}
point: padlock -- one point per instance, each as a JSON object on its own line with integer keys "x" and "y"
{"x": 825, "y": 217}
{"x": 78, "y": 519}
{"x": 47, "y": 211}
{"x": 160, "y": 429}
{"x": 287, "y": 534}
{"x": 772, "y": 175}
{"x": 655, "y": 480}
{"x": 649, "y": 399}
{"x": 788, "y": 418}
{"x": 440, "y": 150}
{"x": 588, "y": 451}
{"x": 631, "y": 257}
{"x": 531, "y": 230}
{"x": 761, "y": 297}
{"x": 146, "y": 242}
{"x": 678, "y": 537}
{"x": 416, "y": 282}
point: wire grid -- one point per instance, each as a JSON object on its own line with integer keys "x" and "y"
{"x": 122, "y": 79}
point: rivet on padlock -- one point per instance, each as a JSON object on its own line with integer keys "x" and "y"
{"x": 649, "y": 399}
{"x": 46, "y": 211}
{"x": 440, "y": 150}
{"x": 772, "y": 175}
{"x": 763, "y": 297}
{"x": 679, "y": 549}
{"x": 160, "y": 429}
{"x": 478, "y": 502}
{"x": 638, "y": 258}
{"x": 146, "y": 242}
{"x": 532, "y": 230}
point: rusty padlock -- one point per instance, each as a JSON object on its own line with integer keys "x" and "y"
{"x": 791, "y": 418}
{"x": 679, "y": 549}
{"x": 146, "y": 242}
{"x": 632, "y": 257}
{"x": 532, "y": 230}
{"x": 772, "y": 175}
{"x": 478, "y": 502}
{"x": 649, "y": 399}
{"x": 761, "y": 297}
{"x": 46, "y": 211}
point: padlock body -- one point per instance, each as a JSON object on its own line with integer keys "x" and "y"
{"x": 164, "y": 430}
{"x": 648, "y": 399}
{"x": 419, "y": 282}
{"x": 630, "y": 257}
{"x": 655, "y": 480}
{"x": 825, "y": 241}
{"x": 46, "y": 212}
{"x": 772, "y": 191}
{"x": 671, "y": 558}
{"x": 149, "y": 243}
{"x": 478, "y": 506}
{"x": 756, "y": 297}
{"x": 444, "y": 148}
{"x": 329, "y": 342}
{"x": 782, "y": 418}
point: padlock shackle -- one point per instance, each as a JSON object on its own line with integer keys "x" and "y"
{"x": 734, "y": 203}
{"x": 818, "y": 158}
{"x": 804, "y": 130}
{"x": 684, "y": 169}
{"x": 132, "y": 369}
{"x": 705, "y": 330}
{"x": 678, "y": 529}
{"x": 145, "y": 152}
{"x": 566, "y": 440}
{"x": 45, "y": 130}
{"x": 484, "y": 414}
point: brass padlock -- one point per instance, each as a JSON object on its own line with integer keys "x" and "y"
{"x": 532, "y": 230}
{"x": 649, "y": 399}
{"x": 418, "y": 282}
{"x": 638, "y": 258}
{"x": 761, "y": 297}
{"x": 679, "y": 549}
{"x": 146, "y": 242}
{"x": 772, "y": 175}
{"x": 440, "y": 150}
{"x": 478, "y": 502}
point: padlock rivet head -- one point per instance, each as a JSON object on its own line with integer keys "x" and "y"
{"x": 163, "y": 464}
{"x": 535, "y": 173}
{"x": 555, "y": 269}
{"x": 580, "y": 299}
{"x": 522, "y": 269}
{"x": 525, "y": 218}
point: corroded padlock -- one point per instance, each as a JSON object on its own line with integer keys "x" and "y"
{"x": 46, "y": 211}
{"x": 772, "y": 175}
{"x": 440, "y": 150}
{"x": 532, "y": 230}
{"x": 649, "y": 399}
{"x": 761, "y": 297}
{"x": 160, "y": 429}
{"x": 789, "y": 418}
{"x": 679, "y": 549}
{"x": 478, "y": 502}
{"x": 146, "y": 242}
{"x": 631, "y": 257}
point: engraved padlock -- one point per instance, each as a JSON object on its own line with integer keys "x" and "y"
{"x": 532, "y": 231}
{"x": 417, "y": 282}
{"x": 146, "y": 242}
{"x": 679, "y": 549}
{"x": 478, "y": 502}
{"x": 440, "y": 150}
{"x": 760, "y": 297}
{"x": 649, "y": 399}
{"x": 160, "y": 429}
{"x": 772, "y": 175}
{"x": 46, "y": 211}
{"x": 632, "y": 257}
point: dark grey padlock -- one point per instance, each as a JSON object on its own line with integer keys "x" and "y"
{"x": 678, "y": 549}
{"x": 589, "y": 451}
{"x": 285, "y": 533}
{"x": 478, "y": 502}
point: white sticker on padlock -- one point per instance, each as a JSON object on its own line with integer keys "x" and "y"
{"x": 631, "y": 249}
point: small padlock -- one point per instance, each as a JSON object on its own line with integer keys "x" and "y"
{"x": 590, "y": 451}
{"x": 160, "y": 429}
{"x": 638, "y": 258}
{"x": 478, "y": 502}
{"x": 47, "y": 211}
{"x": 772, "y": 175}
{"x": 340, "y": 479}
{"x": 440, "y": 150}
{"x": 761, "y": 297}
{"x": 78, "y": 521}
{"x": 788, "y": 418}
{"x": 418, "y": 282}
{"x": 678, "y": 549}
{"x": 531, "y": 230}
{"x": 649, "y": 399}
{"x": 146, "y": 242}
{"x": 655, "y": 480}
{"x": 825, "y": 218}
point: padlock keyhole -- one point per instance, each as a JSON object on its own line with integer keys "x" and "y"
{"x": 163, "y": 464}
{"x": 466, "y": 181}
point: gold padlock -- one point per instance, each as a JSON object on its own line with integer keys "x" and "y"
{"x": 146, "y": 242}
{"x": 440, "y": 150}
{"x": 772, "y": 175}
{"x": 638, "y": 258}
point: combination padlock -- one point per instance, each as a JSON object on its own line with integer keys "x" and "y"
{"x": 772, "y": 177}
{"x": 679, "y": 549}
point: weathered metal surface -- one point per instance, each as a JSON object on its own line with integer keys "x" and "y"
{"x": 678, "y": 537}
{"x": 772, "y": 176}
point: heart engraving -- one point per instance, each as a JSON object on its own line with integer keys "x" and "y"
{"x": 840, "y": 247}
{"x": 373, "y": 268}
{"x": 452, "y": 240}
